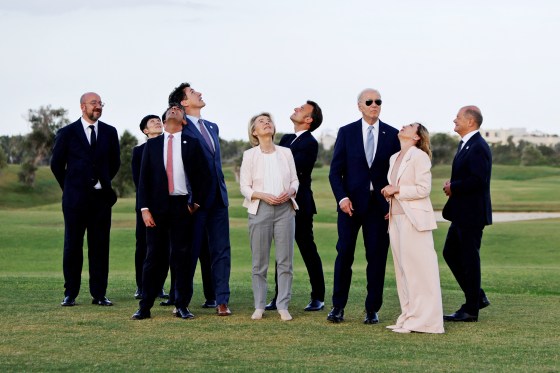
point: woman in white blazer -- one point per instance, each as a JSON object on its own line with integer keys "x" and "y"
{"x": 411, "y": 221}
{"x": 269, "y": 183}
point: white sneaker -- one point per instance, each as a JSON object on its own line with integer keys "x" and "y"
{"x": 285, "y": 315}
{"x": 258, "y": 314}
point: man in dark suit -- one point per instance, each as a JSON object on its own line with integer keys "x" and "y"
{"x": 170, "y": 190}
{"x": 85, "y": 158}
{"x": 358, "y": 173}
{"x": 212, "y": 220}
{"x": 469, "y": 209}
{"x": 306, "y": 118}
{"x": 150, "y": 126}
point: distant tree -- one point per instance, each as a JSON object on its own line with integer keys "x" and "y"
{"x": 3, "y": 159}
{"x": 13, "y": 148}
{"x": 444, "y": 148}
{"x": 123, "y": 183}
{"x": 233, "y": 150}
{"x": 532, "y": 156}
{"x": 506, "y": 153}
{"x": 324, "y": 156}
{"x": 37, "y": 145}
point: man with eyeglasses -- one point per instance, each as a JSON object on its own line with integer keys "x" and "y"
{"x": 358, "y": 173}
{"x": 85, "y": 158}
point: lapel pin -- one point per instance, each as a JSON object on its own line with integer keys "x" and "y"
{"x": 184, "y": 141}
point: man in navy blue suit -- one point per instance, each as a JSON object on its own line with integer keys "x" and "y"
{"x": 469, "y": 209}
{"x": 358, "y": 173}
{"x": 85, "y": 158}
{"x": 306, "y": 118}
{"x": 212, "y": 220}
{"x": 150, "y": 126}
{"x": 170, "y": 190}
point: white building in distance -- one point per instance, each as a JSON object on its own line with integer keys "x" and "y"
{"x": 518, "y": 134}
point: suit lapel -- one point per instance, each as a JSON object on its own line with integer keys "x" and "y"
{"x": 405, "y": 162}
{"x": 191, "y": 128}
{"x": 80, "y": 133}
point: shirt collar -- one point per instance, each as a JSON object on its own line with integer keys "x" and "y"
{"x": 87, "y": 124}
{"x": 468, "y": 136}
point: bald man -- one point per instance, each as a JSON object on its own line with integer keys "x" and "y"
{"x": 469, "y": 209}
{"x": 85, "y": 158}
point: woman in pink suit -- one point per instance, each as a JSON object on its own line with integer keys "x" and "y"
{"x": 411, "y": 221}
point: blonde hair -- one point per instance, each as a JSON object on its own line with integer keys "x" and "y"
{"x": 424, "y": 142}
{"x": 254, "y": 140}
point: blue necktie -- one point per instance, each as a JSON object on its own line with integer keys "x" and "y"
{"x": 370, "y": 146}
{"x": 206, "y": 136}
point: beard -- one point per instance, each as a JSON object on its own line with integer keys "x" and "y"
{"x": 94, "y": 115}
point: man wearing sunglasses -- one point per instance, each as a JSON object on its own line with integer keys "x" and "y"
{"x": 358, "y": 173}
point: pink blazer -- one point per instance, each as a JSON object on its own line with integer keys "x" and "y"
{"x": 251, "y": 177}
{"x": 414, "y": 179}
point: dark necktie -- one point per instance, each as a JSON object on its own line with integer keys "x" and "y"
{"x": 93, "y": 138}
{"x": 205, "y": 135}
{"x": 459, "y": 146}
{"x": 169, "y": 165}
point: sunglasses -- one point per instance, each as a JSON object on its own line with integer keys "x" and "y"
{"x": 377, "y": 102}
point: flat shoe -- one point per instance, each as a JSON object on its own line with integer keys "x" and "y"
{"x": 401, "y": 330}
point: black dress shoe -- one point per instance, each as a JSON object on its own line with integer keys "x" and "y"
{"x": 184, "y": 313}
{"x": 460, "y": 316}
{"x": 314, "y": 305}
{"x": 102, "y": 301}
{"x": 68, "y": 301}
{"x": 483, "y": 302}
{"x": 271, "y": 306}
{"x": 166, "y": 303}
{"x": 209, "y": 304}
{"x": 163, "y": 294}
{"x": 371, "y": 318}
{"x": 138, "y": 294}
{"x": 336, "y": 315}
{"x": 141, "y": 315}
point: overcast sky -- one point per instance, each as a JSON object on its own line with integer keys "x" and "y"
{"x": 427, "y": 58}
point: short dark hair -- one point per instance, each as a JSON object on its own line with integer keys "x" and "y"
{"x": 316, "y": 115}
{"x": 178, "y": 94}
{"x": 144, "y": 121}
{"x": 172, "y": 104}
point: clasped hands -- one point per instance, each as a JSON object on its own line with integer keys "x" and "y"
{"x": 276, "y": 200}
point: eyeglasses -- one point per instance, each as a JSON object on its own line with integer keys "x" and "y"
{"x": 378, "y": 102}
{"x": 95, "y": 103}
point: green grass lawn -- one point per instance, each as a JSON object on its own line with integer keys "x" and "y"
{"x": 518, "y": 332}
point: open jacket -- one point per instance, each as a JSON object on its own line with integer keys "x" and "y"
{"x": 251, "y": 178}
{"x": 414, "y": 179}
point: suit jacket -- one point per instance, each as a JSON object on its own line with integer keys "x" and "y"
{"x": 135, "y": 165}
{"x": 216, "y": 183}
{"x": 350, "y": 175}
{"x": 152, "y": 186}
{"x": 470, "y": 204}
{"x": 251, "y": 175}
{"x": 414, "y": 179}
{"x": 77, "y": 168}
{"x": 304, "y": 149}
